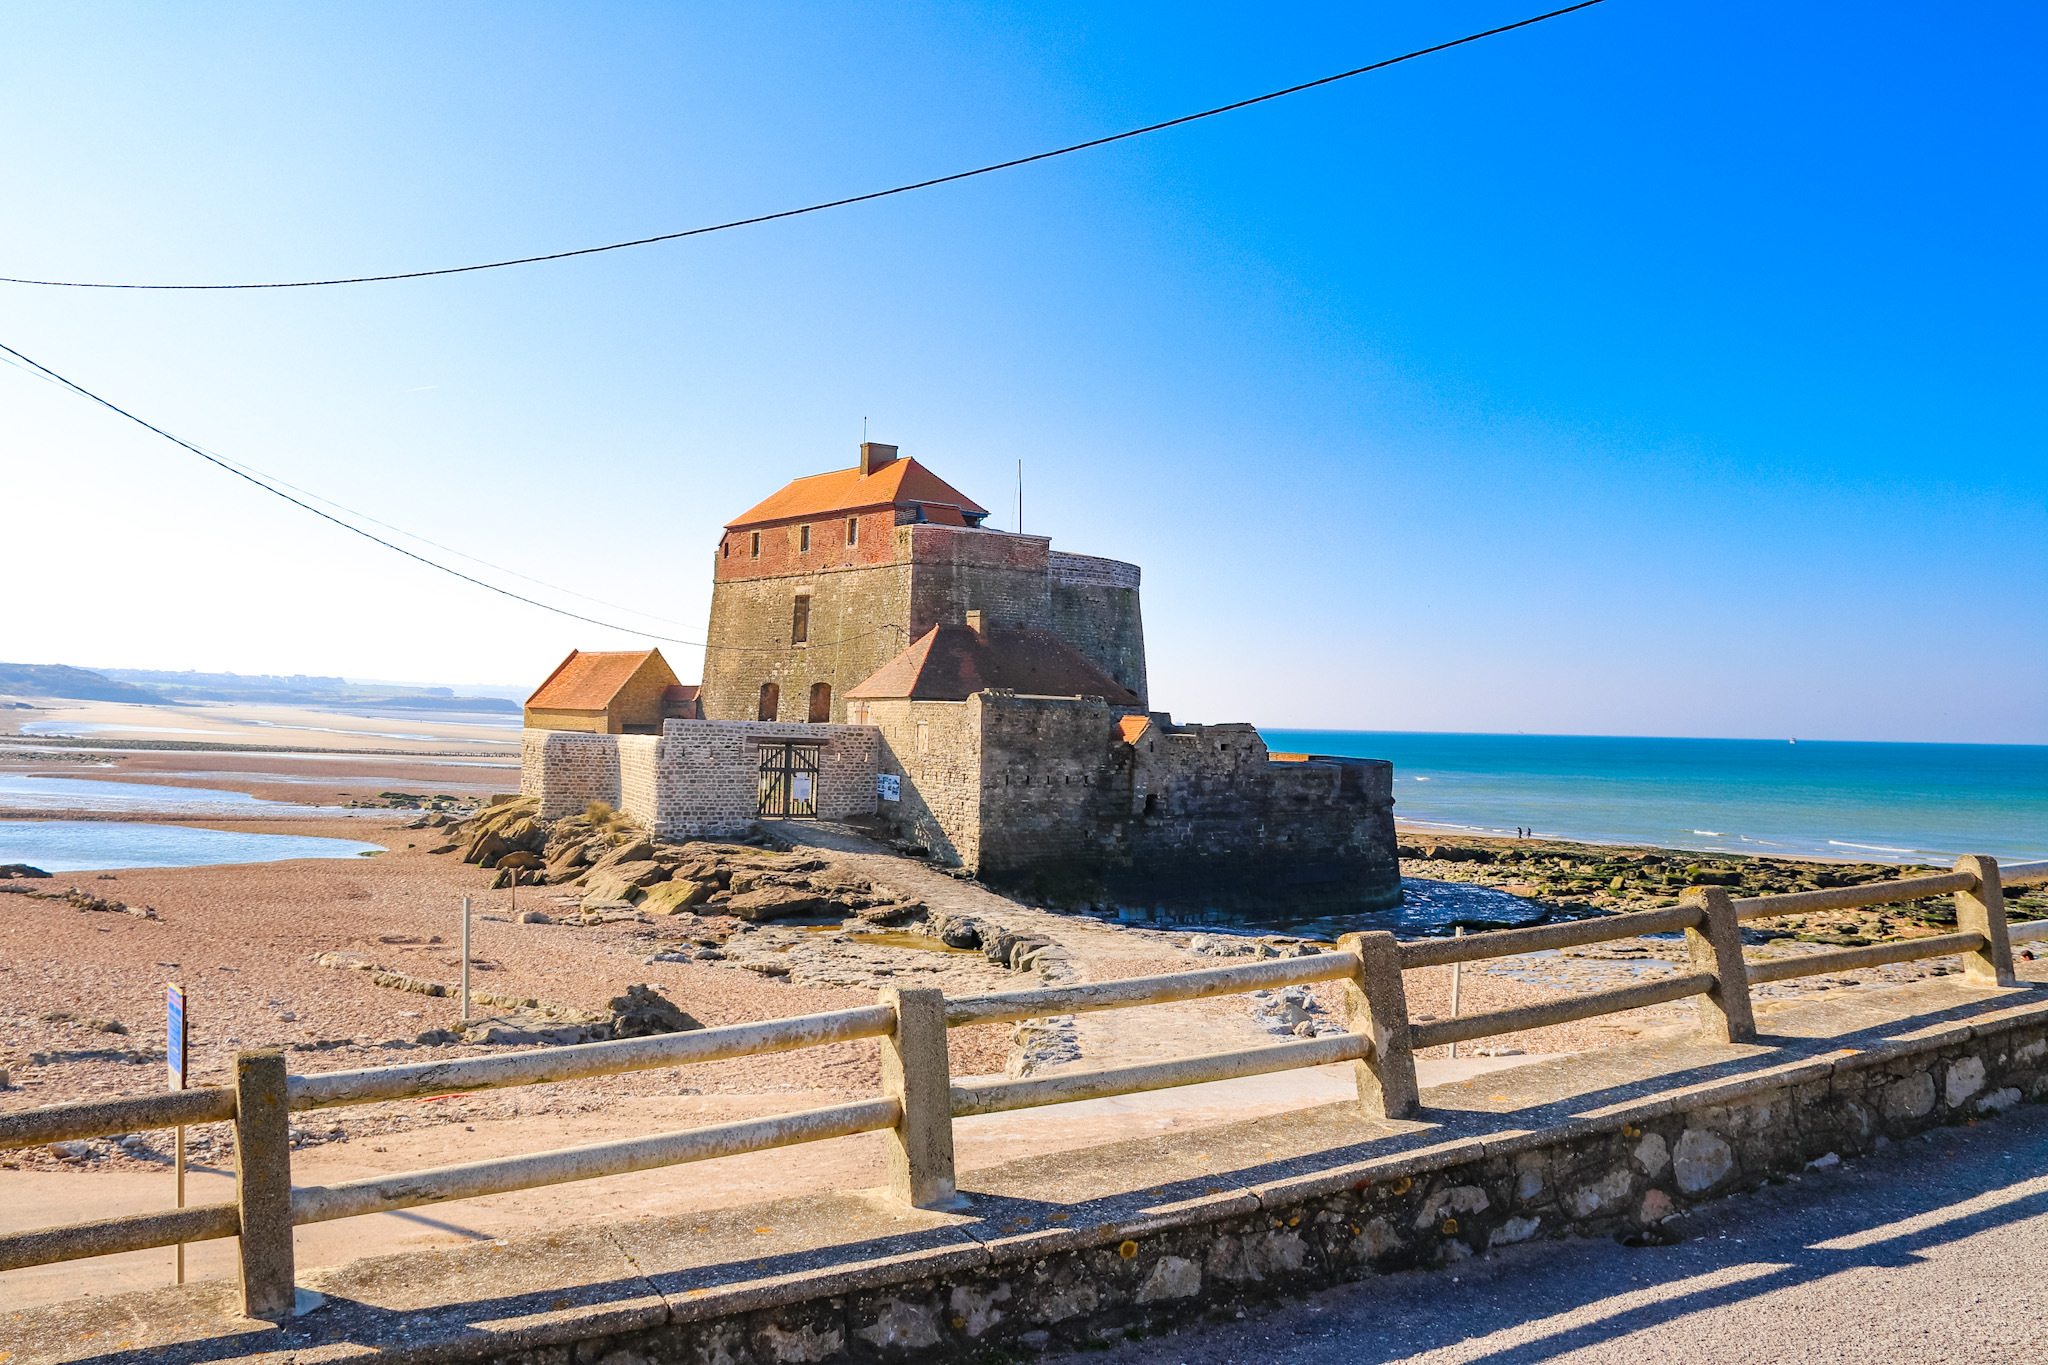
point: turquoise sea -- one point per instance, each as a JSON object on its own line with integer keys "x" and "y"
{"x": 1900, "y": 803}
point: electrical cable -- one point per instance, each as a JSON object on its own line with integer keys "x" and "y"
{"x": 414, "y": 535}
{"x": 46, "y": 371}
{"x": 854, "y": 199}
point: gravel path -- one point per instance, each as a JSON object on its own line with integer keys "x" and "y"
{"x": 1930, "y": 1250}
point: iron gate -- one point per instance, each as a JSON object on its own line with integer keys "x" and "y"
{"x": 789, "y": 780}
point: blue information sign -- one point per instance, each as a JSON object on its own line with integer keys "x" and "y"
{"x": 174, "y": 1036}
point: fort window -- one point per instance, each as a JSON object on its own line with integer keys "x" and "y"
{"x": 1151, "y": 803}
{"x": 803, "y": 540}
{"x": 821, "y": 703}
{"x": 771, "y": 701}
{"x": 853, "y": 530}
{"x": 756, "y": 554}
{"x": 800, "y": 621}
{"x": 725, "y": 550}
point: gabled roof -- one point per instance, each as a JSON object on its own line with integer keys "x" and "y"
{"x": 952, "y": 663}
{"x": 1130, "y": 727}
{"x": 588, "y": 682}
{"x": 896, "y": 484}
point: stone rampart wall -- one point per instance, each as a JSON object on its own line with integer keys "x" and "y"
{"x": 695, "y": 779}
{"x": 568, "y": 769}
{"x": 638, "y": 798}
{"x": 935, "y": 748}
{"x": 1043, "y": 792}
{"x": 1091, "y": 570}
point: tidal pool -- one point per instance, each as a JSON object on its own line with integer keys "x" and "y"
{"x": 103, "y": 845}
{"x": 20, "y": 791}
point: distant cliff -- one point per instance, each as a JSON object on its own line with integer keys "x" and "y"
{"x": 79, "y": 684}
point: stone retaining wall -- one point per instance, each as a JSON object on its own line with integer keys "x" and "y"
{"x": 1632, "y": 1167}
{"x": 1068, "y": 1251}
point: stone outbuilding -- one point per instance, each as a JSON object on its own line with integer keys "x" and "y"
{"x": 627, "y": 692}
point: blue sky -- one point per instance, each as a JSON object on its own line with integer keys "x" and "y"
{"x": 1665, "y": 369}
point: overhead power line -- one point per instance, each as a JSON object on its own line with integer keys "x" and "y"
{"x": 853, "y": 199}
{"x": 245, "y": 474}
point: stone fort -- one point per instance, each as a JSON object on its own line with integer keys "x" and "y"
{"x": 876, "y": 653}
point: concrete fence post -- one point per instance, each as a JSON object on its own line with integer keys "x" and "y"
{"x": 1982, "y": 911}
{"x": 263, "y": 1184}
{"x": 1376, "y": 1007}
{"x": 1715, "y": 947}
{"x": 917, "y": 1073}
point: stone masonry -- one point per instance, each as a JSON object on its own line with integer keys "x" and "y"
{"x": 1074, "y": 798}
{"x": 696, "y": 779}
{"x": 862, "y": 613}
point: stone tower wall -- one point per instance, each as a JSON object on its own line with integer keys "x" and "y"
{"x": 859, "y": 620}
{"x": 863, "y": 614}
{"x": 1094, "y": 607}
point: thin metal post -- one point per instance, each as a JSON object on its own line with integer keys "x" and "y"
{"x": 917, "y": 1073}
{"x": 263, "y": 1184}
{"x": 1376, "y": 1007}
{"x": 465, "y": 959}
{"x": 177, "y": 1037}
{"x": 1457, "y": 979}
{"x": 1715, "y": 948}
{"x": 1982, "y": 912}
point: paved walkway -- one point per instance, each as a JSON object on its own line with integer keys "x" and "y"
{"x": 1935, "y": 1249}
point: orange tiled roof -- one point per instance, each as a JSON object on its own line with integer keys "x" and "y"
{"x": 952, "y": 663}
{"x": 1133, "y": 726}
{"x": 900, "y": 482}
{"x": 588, "y": 682}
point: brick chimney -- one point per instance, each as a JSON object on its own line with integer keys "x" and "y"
{"x": 977, "y": 623}
{"x": 874, "y": 455}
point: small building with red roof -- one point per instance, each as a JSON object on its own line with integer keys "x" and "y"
{"x": 622, "y": 692}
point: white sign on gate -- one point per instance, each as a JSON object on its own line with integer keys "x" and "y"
{"x": 800, "y": 786}
{"x": 889, "y": 786}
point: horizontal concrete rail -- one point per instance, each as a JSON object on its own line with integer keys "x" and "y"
{"x": 1439, "y": 952}
{"x": 2031, "y": 932}
{"x": 329, "y": 1089}
{"x": 1149, "y": 990}
{"x": 995, "y": 1097}
{"x": 2023, "y": 874}
{"x": 103, "y": 1118}
{"x": 1855, "y": 897}
{"x": 381, "y": 1194}
{"x": 132, "y": 1232}
{"x": 1875, "y": 955}
{"x": 1562, "y": 1011}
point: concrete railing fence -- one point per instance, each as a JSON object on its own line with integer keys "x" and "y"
{"x": 919, "y": 1099}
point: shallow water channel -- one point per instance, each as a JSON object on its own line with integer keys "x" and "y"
{"x": 103, "y": 845}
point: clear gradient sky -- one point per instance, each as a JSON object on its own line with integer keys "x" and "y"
{"x": 1671, "y": 368}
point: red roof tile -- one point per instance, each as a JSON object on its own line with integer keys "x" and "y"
{"x": 1133, "y": 726}
{"x": 952, "y": 663}
{"x": 588, "y": 682}
{"x": 896, "y": 484}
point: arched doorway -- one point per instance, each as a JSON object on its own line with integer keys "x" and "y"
{"x": 821, "y": 703}
{"x": 771, "y": 701}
